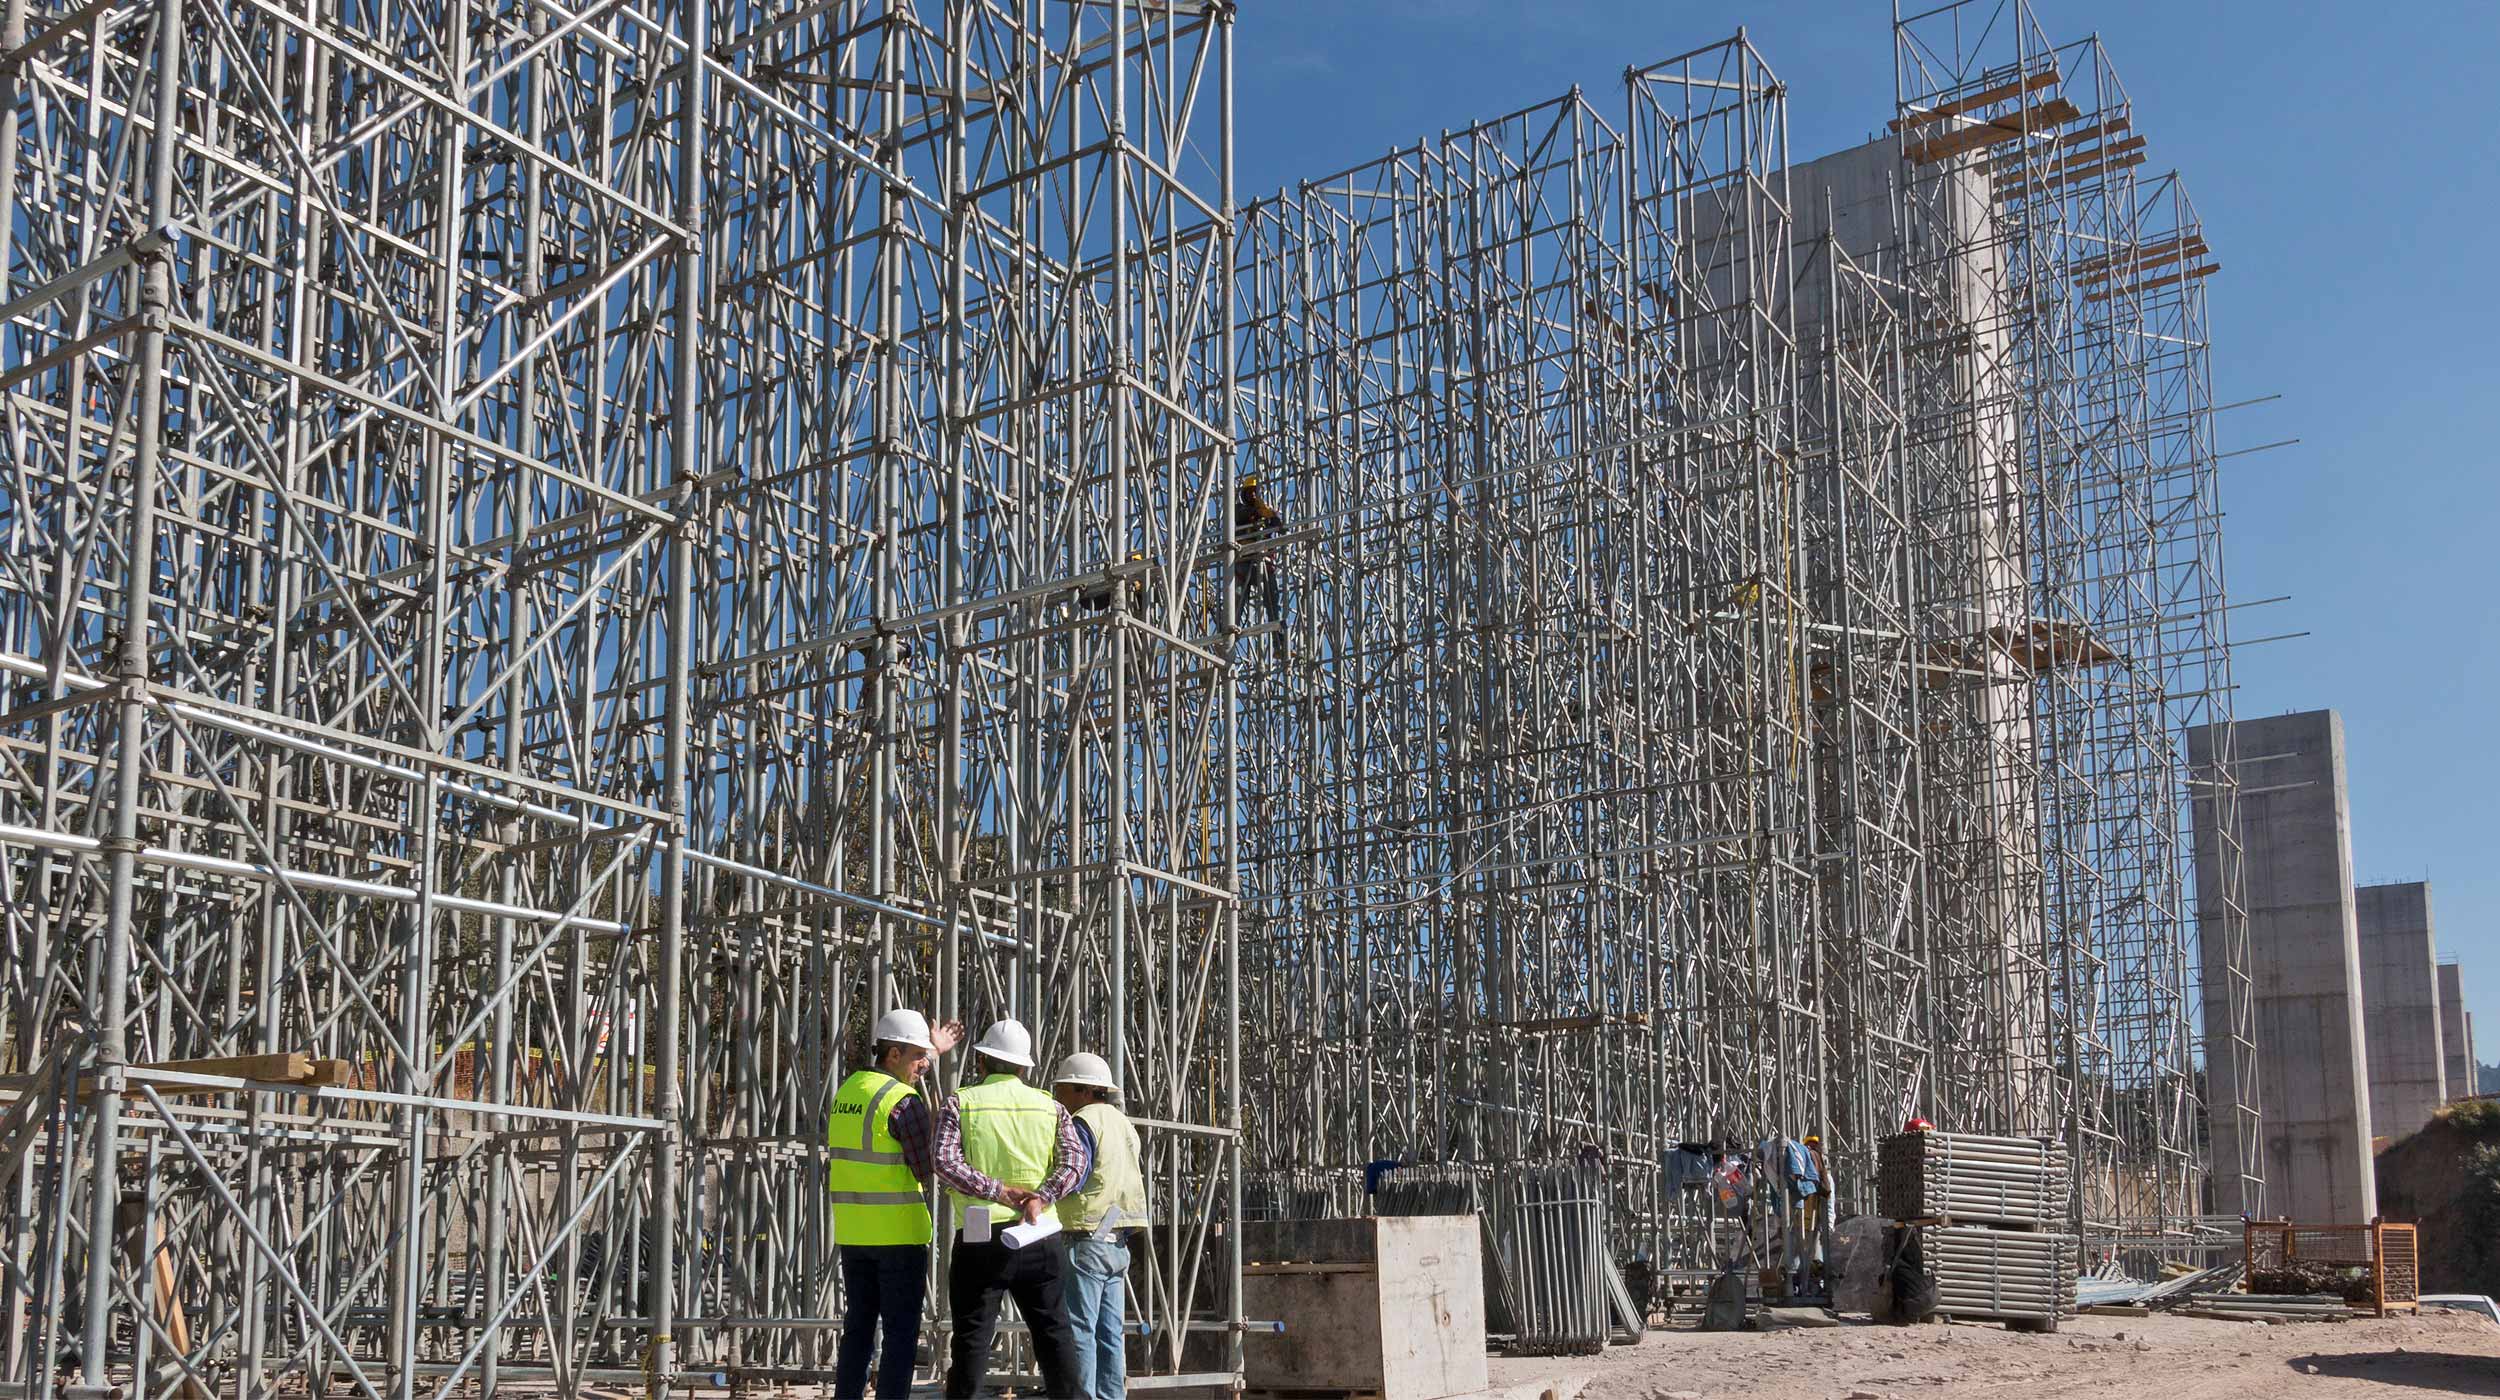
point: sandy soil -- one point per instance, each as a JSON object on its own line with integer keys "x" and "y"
{"x": 2173, "y": 1358}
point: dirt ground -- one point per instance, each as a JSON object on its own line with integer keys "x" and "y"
{"x": 2172, "y": 1358}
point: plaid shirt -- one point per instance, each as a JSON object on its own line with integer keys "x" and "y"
{"x": 911, "y": 1125}
{"x": 956, "y": 1174}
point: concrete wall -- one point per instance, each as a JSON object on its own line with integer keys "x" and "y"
{"x": 2295, "y": 837}
{"x": 2456, "y": 1032}
{"x": 1986, "y": 880}
{"x": 2400, "y": 1011}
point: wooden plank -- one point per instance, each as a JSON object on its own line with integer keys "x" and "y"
{"x": 2076, "y": 161}
{"x": 2190, "y": 275}
{"x": 2036, "y": 120}
{"x": 331, "y": 1073}
{"x": 289, "y": 1067}
{"x": 294, "y": 1066}
{"x": 2019, "y": 189}
{"x": 2069, "y": 140}
{"x": 170, "y": 1316}
{"x": 1985, "y": 97}
{"x": 2143, "y": 259}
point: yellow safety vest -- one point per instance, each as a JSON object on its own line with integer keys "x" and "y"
{"x": 1011, "y": 1132}
{"x": 1119, "y": 1173}
{"x": 876, "y": 1199}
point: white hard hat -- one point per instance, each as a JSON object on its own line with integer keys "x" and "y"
{"x": 903, "y": 1028}
{"x": 1007, "y": 1042}
{"x": 1089, "y": 1070}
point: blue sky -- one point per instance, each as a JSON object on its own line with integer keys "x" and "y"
{"x": 2348, "y": 170}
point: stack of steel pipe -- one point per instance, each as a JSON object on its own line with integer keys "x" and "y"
{"x": 2273, "y": 1307}
{"x": 1300, "y": 1195}
{"x": 2004, "y": 1274}
{"x": 1964, "y": 1177}
{"x": 1556, "y": 1224}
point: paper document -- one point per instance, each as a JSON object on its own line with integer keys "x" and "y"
{"x": 976, "y": 1224}
{"x": 1018, "y": 1236}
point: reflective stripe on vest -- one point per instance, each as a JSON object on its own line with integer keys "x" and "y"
{"x": 1010, "y": 1132}
{"x": 1119, "y": 1178}
{"x": 868, "y": 1179}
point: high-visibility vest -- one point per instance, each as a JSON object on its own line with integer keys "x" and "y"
{"x": 1011, "y": 1132}
{"x": 876, "y": 1199}
{"x": 1119, "y": 1178}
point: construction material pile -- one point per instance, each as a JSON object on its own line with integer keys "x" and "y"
{"x": 1310, "y": 1194}
{"x": 1551, "y": 1285}
{"x": 2026, "y": 1275}
{"x": 2137, "y": 1297}
{"x": 2302, "y": 1278}
{"x": 1964, "y": 1176}
{"x": 2271, "y": 1307}
{"x": 1979, "y": 1211}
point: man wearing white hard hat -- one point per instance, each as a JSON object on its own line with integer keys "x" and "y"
{"x": 1097, "y": 1220}
{"x": 881, "y": 1141}
{"x": 1004, "y": 1143}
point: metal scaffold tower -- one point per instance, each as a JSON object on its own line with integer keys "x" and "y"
{"x": 1725, "y": 652}
{"x": 1866, "y": 544}
{"x": 2089, "y": 331}
{"x": 1528, "y": 815}
{"x": 557, "y": 562}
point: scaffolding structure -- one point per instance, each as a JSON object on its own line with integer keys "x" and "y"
{"x": 2092, "y": 338}
{"x": 558, "y": 561}
{"x": 1527, "y": 816}
{"x": 1733, "y": 635}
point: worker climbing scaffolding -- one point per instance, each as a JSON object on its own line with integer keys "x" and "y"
{"x": 1256, "y": 522}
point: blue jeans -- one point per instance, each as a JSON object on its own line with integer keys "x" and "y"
{"x": 882, "y": 1285}
{"x": 1097, "y": 1307}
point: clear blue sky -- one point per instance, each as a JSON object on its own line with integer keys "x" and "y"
{"x": 2346, "y": 164}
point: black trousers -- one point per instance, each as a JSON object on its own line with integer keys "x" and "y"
{"x": 1036, "y": 1277}
{"x": 881, "y": 1283}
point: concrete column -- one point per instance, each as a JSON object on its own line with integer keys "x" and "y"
{"x": 2400, "y": 1011}
{"x": 2295, "y": 832}
{"x": 2456, "y": 1033}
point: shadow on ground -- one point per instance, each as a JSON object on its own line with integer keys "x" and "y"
{"x": 2450, "y": 1372}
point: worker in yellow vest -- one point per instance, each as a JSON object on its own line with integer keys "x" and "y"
{"x": 1098, "y": 1221}
{"x": 1007, "y": 1153}
{"x": 880, "y": 1140}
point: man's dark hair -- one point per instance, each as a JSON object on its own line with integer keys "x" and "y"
{"x": 878, "y": 1049}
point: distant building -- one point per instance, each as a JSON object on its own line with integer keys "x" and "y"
{"x": 2400, "y": 1007}
{"x": 2304, "y": 963}
{"x": 2456, "y": 1035}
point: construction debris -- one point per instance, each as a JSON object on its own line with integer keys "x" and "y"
{"x": 2300, "y": 1277}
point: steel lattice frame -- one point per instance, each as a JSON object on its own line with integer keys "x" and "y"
{"x": 2123, "y": 642}
{"x": 1987, "y": 574}
{"x": 561, "y": 560}
{"x": 1529, "y": 819}
{"x": 1870, "y": 652}
{"x": 612, "y": 621}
